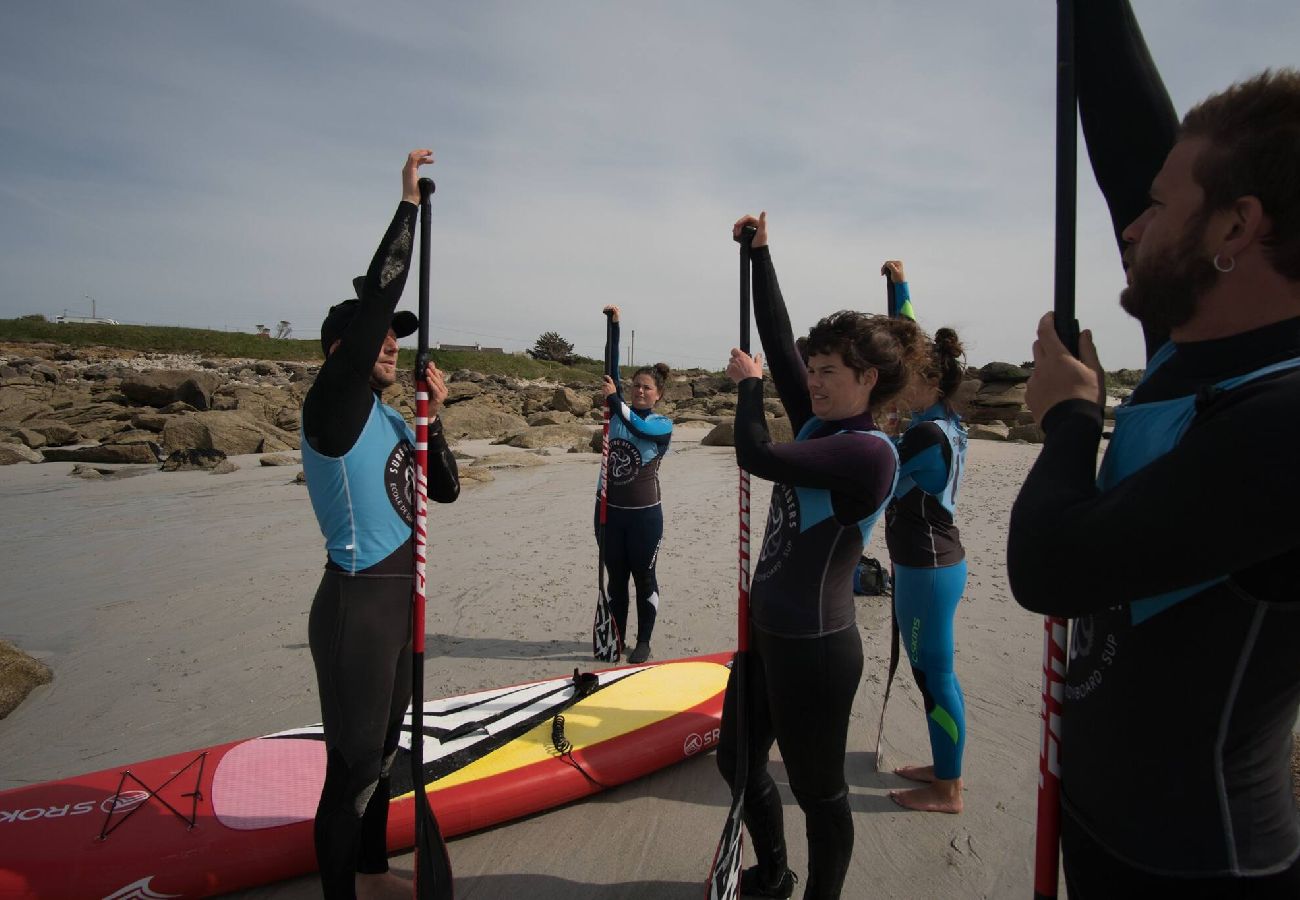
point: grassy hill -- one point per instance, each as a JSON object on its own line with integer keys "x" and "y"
{"x": 227, "y": 344}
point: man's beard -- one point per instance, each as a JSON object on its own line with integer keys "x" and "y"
{"x": 380, "y": 381}
{"x": 1165, "y": 290}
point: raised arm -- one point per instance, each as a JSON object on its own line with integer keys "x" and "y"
{"x": 1129, "y": 123}
{"x": 789, "y": 372}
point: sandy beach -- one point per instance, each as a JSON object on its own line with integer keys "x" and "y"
{"x": 172, "y": 608}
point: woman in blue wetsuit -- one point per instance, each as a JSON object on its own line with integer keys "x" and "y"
{"x": 634, "y": 520}
{"x": 831, "y": 484}
{"x": 930, "y": 568}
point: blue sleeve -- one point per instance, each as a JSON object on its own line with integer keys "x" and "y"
{"x": 902, "y": 302}
{"x": 653, "y": 428}
{"x": 925, "y": 456}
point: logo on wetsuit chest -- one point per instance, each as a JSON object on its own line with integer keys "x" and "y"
{"x": 624, "y": 462}
{"x": 778, "y": 535}
{"x": 1094, "y": 646}
{"x": 399, "y": 481}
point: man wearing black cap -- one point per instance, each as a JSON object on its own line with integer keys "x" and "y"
{"x": 358, "y": 457}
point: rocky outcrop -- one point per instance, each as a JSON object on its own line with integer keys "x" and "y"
{"x": 20, "y": 674}
{"x": 569, "y": 437}
{"x": 160, "y": 387}
{"x": 479, "y": 419}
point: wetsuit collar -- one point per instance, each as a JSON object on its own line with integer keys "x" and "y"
{"x": 934, "y": 413}
{"x": 1224, "y": 357}
{"x": 861, "y": 422}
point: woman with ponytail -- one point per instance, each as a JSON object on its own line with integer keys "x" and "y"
{"x": 830, "y": 485}
{"x": 930, "y": 567}
{"x": 634, "y": 521}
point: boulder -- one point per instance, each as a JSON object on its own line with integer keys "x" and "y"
{"x": 509, "y": 461}
{"x": 1000, "y": 394}
{"x": 192, "y": 460}
{"x": 280, "y": 459}
{"x": 677, "y": 389}
{"x": 20, "y": 403}
{"x": 996, "y": 432}
{"x": 159, "y": 387}
{"x": 722, "y": 435}
{"x": 19, "y": 675}
{"x": 1030, "y": 434}
{"x": 231, "y": 432}
{"x": 129, "y": 454}
{"x": 225, "y": 467}
{"x": 478, "y": 419}
{"x": 150, "y": 421}
{"x": 472, "y": 475}
{"x": 568, "y": 400}
{"x": 551, "y": 417}
{"x": 459, "y": 391}
{"x": 566, "y": 436}
{"x": 13, "y": 452}
{"x": 1003, "y": 372}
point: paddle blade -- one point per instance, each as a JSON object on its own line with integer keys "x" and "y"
{"x": 605, "y": 643}
{"x": 724, "y": 876}
{"x": 433, "y": 879}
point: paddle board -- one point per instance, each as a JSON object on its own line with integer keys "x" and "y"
{"x": 240, "y": 814}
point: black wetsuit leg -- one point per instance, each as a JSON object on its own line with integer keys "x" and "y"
{"x": 360, "y": 635}
{"x": 1091, "y": 872}
{"x": 763, "y": 814}
{"x": 644, "y": 531}
{"x": 800, "y": 694}
{"x": 618, "y": 568}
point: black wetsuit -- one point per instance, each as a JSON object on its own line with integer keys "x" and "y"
{"x": 360, "y": 623}
{"x": 805, "y": 657}
{"x": 1178, "y": 567}
{"x": 634, "y": 514}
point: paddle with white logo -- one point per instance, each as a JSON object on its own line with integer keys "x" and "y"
{"x": 433, "y": 879}
{"x": 606, "y": 641}
{"x": 724, "y": 875}
{"x": 1056, "y": 630}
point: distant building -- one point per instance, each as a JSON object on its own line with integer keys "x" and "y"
{"x": 85, "y": 320}
{"x": 469, "y": 348}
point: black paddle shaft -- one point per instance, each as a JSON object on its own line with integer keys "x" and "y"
{"x": 610, "y": 350}
{"x": 891, "y": 296}
{"x": 1067, "y": 138}
{"x": 427, "y": 188}
{"x": 746, "y": 240}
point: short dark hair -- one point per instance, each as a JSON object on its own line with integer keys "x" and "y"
{"x": 1253, "y": 135}
{"x": 895, "y": 348}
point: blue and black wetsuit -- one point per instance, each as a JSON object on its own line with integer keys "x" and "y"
{"x": 634, "y": 519}
{"x": 1178, "y": 564}
{"x": 358, "y": 459}
{"x": 805, "y": 660}
{"x": 930, "y": 571}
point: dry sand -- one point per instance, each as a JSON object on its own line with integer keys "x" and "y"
{"x": 173, "y": 611}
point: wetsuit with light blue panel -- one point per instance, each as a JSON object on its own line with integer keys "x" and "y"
{"x": 362, "y": 499}
{"x": 1177, "y": 563}
{"x": 358, "y": 460}
{"x": 930, "y": 572}
{"x": 634, "y": 520}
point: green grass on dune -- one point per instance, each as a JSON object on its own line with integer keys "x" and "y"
{"x": 228, "y": 344}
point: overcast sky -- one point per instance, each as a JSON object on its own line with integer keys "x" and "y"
{"x": 224, "y": 164}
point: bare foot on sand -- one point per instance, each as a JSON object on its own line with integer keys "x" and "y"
{"x": 385, "y": 886}
{"x": 916, "y": 773}
{"x": 941, "y": 796}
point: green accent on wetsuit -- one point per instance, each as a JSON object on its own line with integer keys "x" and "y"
{"x": 940, "y": 717}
